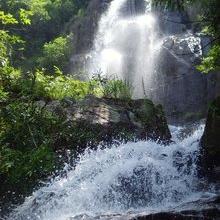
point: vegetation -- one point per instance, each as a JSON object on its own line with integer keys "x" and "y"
{"x": 41, "y": 25}
{"x": 212, "y": 61}
{"x": 114, "y": 87}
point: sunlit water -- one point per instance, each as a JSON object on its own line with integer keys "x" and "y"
{"x": 142, "y": 176}
{"x": 126, "y": 46}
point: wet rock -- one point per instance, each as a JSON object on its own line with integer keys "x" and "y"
{"x": 172, "y": 22}
{"x": 84, "y": 27}
{"x": 183, "y": 91}
{"x": 210, "y": 143}
{"x": 104, "y": 120}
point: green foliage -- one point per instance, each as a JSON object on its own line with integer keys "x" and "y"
{"x": 26, "y": 125}
{"x": 7, "y": 18}
{"x": 9, "y": 82}
{"x": 25, "y": 16}
{"x": 212, "y": 61}
{"x": 114, "y": 88}
{"x": 61, "y": 86}
{"x": 18, "y": 165}
{"x": 3, "y": 95}
{"x": 117, "y": 89}
{"x": 56, "y": 53}
{"x": 26, "y": 140}
{"x": 39, "y": 9}
{"x": 10, "y": 45}
{"x": 41, "y": 24}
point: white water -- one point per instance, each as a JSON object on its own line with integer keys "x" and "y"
{"x": 126, "y": 46}
{"x": 128, "y": 43}
{"x": 134, "y": 176}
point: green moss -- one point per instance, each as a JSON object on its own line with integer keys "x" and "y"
{"x": 146, "y": 112}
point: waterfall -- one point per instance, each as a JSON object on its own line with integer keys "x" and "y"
{"x": 130, "y": 177}
{"x": 126, "y": 43}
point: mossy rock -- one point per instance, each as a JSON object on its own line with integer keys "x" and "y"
{"x": 211, "y": 141}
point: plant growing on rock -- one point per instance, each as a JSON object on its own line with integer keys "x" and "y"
{"x": 114, "y": 87}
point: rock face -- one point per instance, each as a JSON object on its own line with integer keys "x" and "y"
{"x": 202, "y": 209}
{"x": 184, "y": 92}
{"x": 134, "y": 7}
{"x": 210, "y": 143}
{"x": 84, "y": 27}
{"x": 105, "y": 120}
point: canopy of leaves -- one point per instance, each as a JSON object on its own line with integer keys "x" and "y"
{"x": 38, "y": 22}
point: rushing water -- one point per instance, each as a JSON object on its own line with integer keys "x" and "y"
{"x": 130, "y": 177}
{"x": 129, "y": 41}
{"x": 126, "y": 44}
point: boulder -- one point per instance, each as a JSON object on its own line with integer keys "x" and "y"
{"x": 97, "y": 121}
{"x": 210, "y": 143}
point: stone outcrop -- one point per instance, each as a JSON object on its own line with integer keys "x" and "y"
{"x": 201, "y": 209}
{"x": 84, "y": 27}
{"x": 184, "y": 92}
{"x": 99, "y": 120}
{"x": 210, "y": 143}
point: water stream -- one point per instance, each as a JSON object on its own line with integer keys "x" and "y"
{"x": 142, "y": 176}
{"x": 126, "y": 43}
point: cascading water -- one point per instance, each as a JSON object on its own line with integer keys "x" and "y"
{"x": 130, "y": 177}
{"x": 126, "y": 44}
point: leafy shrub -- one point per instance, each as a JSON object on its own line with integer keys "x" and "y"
{"x": 117, "y": 89}
{"x": 18, "y": 165}
{"x": 41, "y": 85}
{"x": 60, "y": 86}
{"x": 27, "y": 134}
{"x": 56, "y": 53}
{"x": 212, "y": 61}
{"x": 114, "y": 88}
{"x": 3, "y": 95}
{"x": 26, "y": 126}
